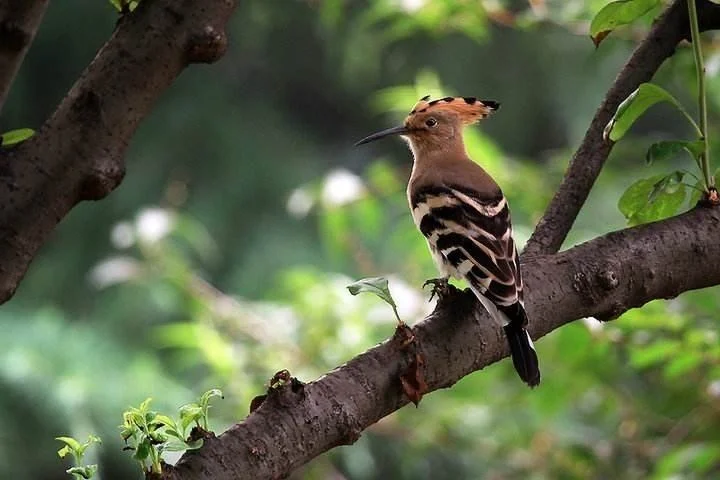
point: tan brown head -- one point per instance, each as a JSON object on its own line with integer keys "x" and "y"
{"x": 436, "y": 124}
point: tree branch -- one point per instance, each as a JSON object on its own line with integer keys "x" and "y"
{"x": 78, "y": 153}
{"x": 19, "y": 20}
{"x": 585, "y": 166}
{"x": 601, "y": 278}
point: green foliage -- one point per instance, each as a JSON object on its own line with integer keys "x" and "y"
{"x": 435, "y": 18}
{"x": 377, "y": 286}
{"x": 13, "y": 137}
{"x": 147, "y": 433}
{"x": 223, "y": 271}
{"x": 618, "y": 13}
{"x": 665, "y": 150}
{"x": 77, "y": 450}
{"x": 632, "y": 108}
{"x": 653, "y": 198}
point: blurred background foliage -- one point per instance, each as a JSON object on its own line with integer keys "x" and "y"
{"x": 224, "y": 255}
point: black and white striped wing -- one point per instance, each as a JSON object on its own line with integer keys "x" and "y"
{"x": 471, "y": 236}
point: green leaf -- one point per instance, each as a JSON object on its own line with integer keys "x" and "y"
{"x": 205, "y": 397}
{"x": 88, "y": 471}
{"x": 665, "y": 150}
{"x": 124, "y": 6}
{"x": 70, "y": 443}
{"x": 616, "y": 14}
{"x": 652, "y": 199}
{"x": 149, "y": 417}
{"x": 195, "y": 444}
{"x": 143, "y": 449}
{"x": 377, "y": 286}
{"x": 91, "y": 439}
{"x": 189, "y": 413}
{"x": 64, "y": 451}
{"x": 145, "y": 405}
{"x": 165, "y": 421}
{"x": 669, "y": 184}
{"x": 646, "y": 95}
{"x": 157, "y": 437}
{"x": 14, "y": 137}
{"x": 176, "y": 446}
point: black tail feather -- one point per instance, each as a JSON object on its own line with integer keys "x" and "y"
{"x": 524, "y": 358}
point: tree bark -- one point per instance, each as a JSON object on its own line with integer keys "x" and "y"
{"x": 19, "y": 20}
{"x": 78, "y": 153}
{"x": 585, "y": 166}
{"x": 601, "y": 278}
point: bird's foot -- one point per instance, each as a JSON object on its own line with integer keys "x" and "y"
{"x": 440, "y": 287}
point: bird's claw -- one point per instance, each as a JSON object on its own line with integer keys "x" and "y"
{"x": 440, "y": 287}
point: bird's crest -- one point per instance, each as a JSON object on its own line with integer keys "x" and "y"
{"x": 469, "y": 109}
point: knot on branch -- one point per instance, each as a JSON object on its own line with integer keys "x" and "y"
{"x": 607, "y": 279}
{"x": 284, "y": 389}
{"x": 102, "y": 180}
{"x": 207, "y": 46}
{"x": 594, "y": 282}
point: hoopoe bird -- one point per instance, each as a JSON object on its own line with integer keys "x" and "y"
{"x": 464, "y": 216}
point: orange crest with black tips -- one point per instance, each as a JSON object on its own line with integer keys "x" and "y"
{"x": 468, "y": 109}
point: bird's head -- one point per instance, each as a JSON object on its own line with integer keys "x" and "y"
{"x": 437, "y": 124}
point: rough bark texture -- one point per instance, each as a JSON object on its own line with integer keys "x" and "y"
{"x": 78, "y": 153}
{"x": 19, "y": 20}
{"x": 601, "y": 278}
{"x": 586, "y": 164}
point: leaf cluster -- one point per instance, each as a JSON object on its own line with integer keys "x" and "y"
{"x": 77, "y": 450}
{"x": 149, "y": 433}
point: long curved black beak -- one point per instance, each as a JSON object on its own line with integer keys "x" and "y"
{"x": 401, "y": 130}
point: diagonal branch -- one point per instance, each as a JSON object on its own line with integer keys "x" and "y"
{"x": 601, "y": 278}
{"x": 671, "y": 28}
{"x": 19, "y": 20}
{"x": 78, "y": 153}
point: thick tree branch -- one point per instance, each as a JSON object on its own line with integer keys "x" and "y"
{"x": 601, "y": 278}
{"x": 585, "y": 166}
{"x": 19, "y": 20}
{"x": 78, "y": 153}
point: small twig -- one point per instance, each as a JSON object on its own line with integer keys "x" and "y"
{"x": 702, "y": 94}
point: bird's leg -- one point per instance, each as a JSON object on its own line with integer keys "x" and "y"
{"x": 440, "y": 287}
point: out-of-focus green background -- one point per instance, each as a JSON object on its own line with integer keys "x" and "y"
{"x": 224, "y": 255}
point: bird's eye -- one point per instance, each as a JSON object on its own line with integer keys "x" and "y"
{"x": 431, "y": 122}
